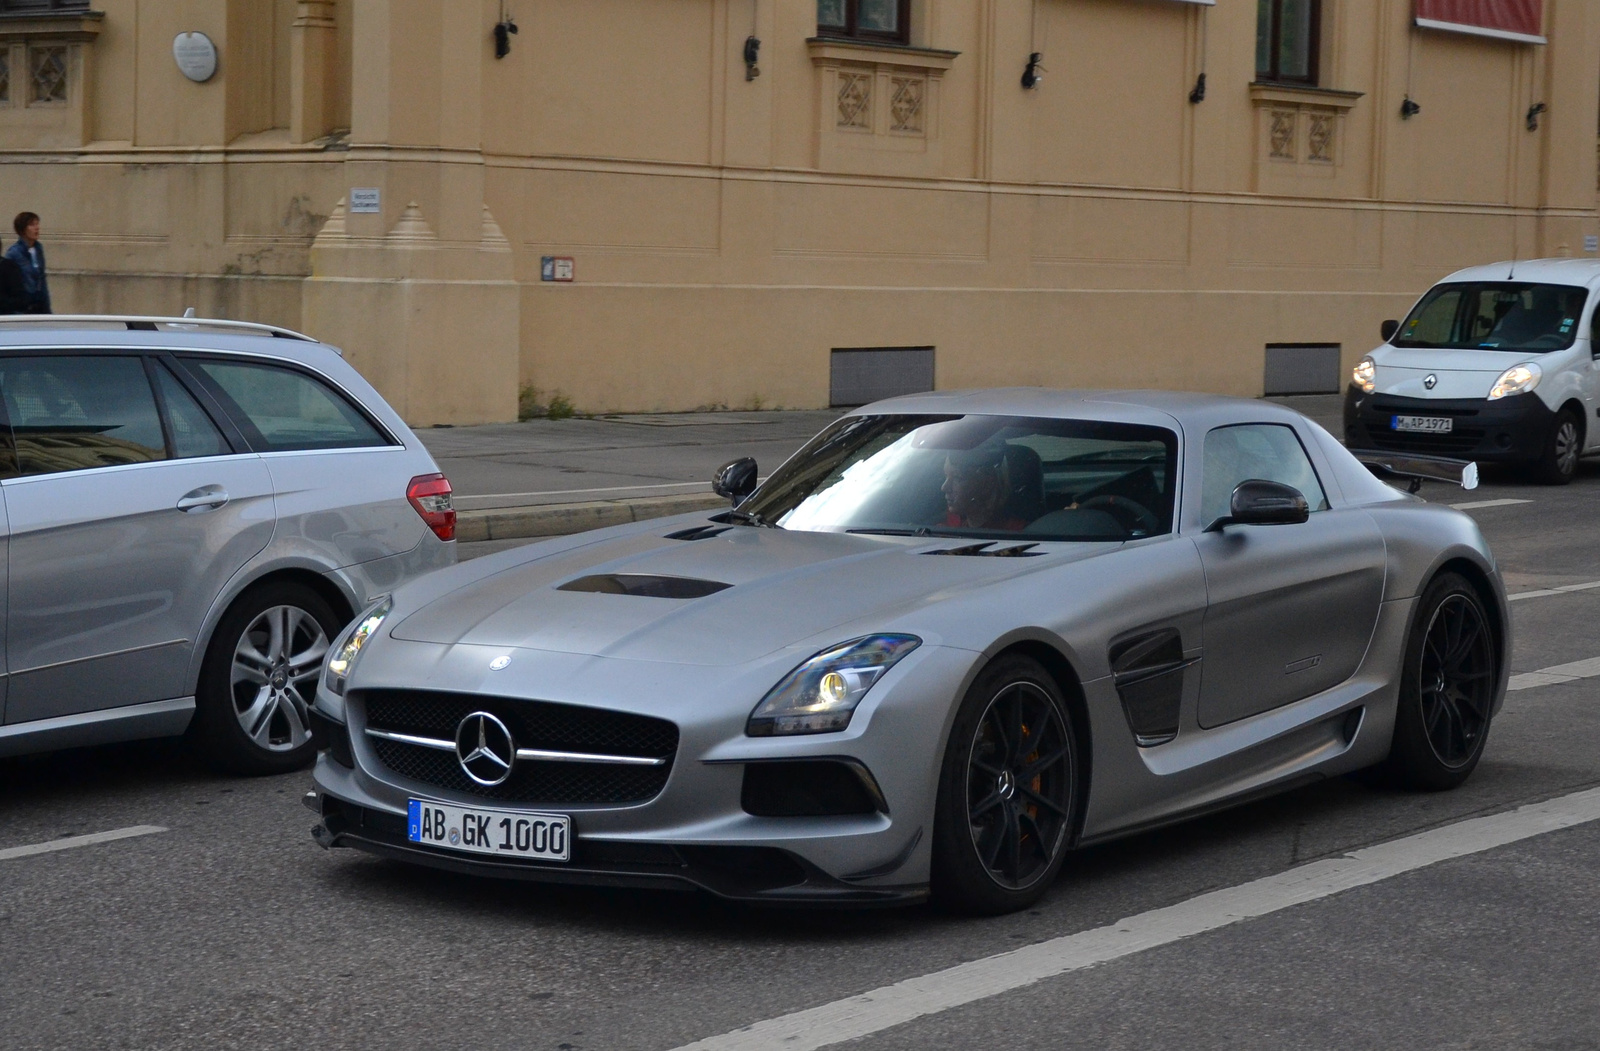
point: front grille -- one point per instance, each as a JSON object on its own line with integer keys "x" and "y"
{"x": 533, "y": 724}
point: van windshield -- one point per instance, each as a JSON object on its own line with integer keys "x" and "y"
{"x": 1494, "y": 315}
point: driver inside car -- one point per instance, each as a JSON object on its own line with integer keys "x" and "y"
{"x": 979, "y": 489}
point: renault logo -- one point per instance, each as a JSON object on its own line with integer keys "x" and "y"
{"x": 485, "y": 749}
{"x": 1430, "y": 381}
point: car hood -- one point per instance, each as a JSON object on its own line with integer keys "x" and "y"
{"x": 782, "y": 588}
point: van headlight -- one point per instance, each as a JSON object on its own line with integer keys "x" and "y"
{"x": 342, "y": 660}
{"x": 1518, "y": 379}
{"x": 821, "y": 694}
{"x": 1365, "y": 374}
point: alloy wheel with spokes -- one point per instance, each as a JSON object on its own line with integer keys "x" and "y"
{"x": 1008, "y": 791}
{"x": 259, "y": 680}
{"x": 1447, "y": 687}
{"x": 274, "y": 676}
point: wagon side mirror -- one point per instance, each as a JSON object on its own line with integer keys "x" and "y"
{"x": 1389, "y": 328}
{"x": 1260, "y": 502}
{"x": 735, "y": 479}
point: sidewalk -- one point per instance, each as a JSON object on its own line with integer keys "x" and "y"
{"x": 552, "y": 477}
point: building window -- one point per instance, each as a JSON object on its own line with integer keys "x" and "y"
{"x": 1286, "y": 40}
{"x": 49, "y": 68}
{"x": 886, "y": 21}
{"x": 5, "y": 75}
{"x": 42, "y": 7}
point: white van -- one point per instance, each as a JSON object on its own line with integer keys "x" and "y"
{"x": 1497, "y": 363}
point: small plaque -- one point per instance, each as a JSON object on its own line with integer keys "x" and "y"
{"x": 555, "y": 268}
{"x": 366, "y": 200}
{"x": 196, "y": 56}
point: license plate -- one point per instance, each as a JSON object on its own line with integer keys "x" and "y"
{"x": 503, "y": 833}
{"x": 1425, "y": 424}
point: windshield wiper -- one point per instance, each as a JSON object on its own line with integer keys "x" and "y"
{"x": 747, "y": 518}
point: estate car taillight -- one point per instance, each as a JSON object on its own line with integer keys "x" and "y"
{"x": 430, "y": 495}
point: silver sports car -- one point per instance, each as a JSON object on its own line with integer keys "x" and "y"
{"x": 954, "y": 637}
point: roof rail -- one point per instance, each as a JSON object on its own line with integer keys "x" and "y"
{"x": 136, "y": 323}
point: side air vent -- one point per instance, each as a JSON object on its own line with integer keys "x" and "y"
{"x": 1148, "y": 671}
{"x": 705, "y": 532}
{"x": 987, "y": 549}
{"x": 644, "y": 585}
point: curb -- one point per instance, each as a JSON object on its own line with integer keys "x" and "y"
{"x": 561, "y": 519}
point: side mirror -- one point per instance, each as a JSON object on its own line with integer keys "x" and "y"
{"x": 1260, "y": 502}
{"x": 1389, "y": 328}
{"x": 735, "y": 479}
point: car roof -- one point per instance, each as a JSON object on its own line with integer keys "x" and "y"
{"x": 116, "y": 333}
{"x": 1543, "y": 271}
{"x": 1152, "y": 407}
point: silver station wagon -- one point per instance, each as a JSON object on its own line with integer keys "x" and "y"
{"x": 191, "y": 510}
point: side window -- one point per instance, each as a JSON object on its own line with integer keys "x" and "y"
{"x": 193, "y": 433}
{"x": 71, "y": 413}
{"x": 290, "y": 410}
{"x": 1268, "y": 451}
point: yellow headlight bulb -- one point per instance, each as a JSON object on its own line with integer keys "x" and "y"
{"x": 833, "y": 689}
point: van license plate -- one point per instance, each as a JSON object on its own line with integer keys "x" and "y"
{"x": 1425, "y": 424}
{"x": 505, "y": 833}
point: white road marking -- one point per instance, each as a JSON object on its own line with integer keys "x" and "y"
{"x": 892, "y": 1005}
{"x": 1563, "y": 589}
{"x": 1473, "y": 505}
{"x": 68, "y": 842}
{"x": 1556, "y": 674}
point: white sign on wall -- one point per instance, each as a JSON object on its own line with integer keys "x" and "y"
{"x": 366, "y": 200}
{"x": 196, "y": 56}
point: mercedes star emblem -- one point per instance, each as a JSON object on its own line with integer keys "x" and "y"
{"x": 1430, "y": 380}
{"x": 485, "y": 749}
{"x": 499, "y": 662}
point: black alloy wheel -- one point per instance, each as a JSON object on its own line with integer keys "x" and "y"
{"x": 1008, "y": 794}
{"x": 1559, "y": 463}
{"x": 1448, "y": 688}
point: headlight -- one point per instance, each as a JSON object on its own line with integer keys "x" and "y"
{"x": 821, "y": 694}
{"x": 1518, "y": 379}
{"x": 1365, "y": 374}
{"x": 344, "y": 658}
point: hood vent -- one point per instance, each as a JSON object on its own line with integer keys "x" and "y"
{"x": 644, "y": 585}
{"x": 705, "y": 532}
{"x": 987, "y": 549}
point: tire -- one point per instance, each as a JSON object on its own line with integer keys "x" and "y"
{"x": 1559, "y": 462}
{"x": 1447, "y": 687}
{"x": 1008, "y": 791}
{"x": 259, "y": 679}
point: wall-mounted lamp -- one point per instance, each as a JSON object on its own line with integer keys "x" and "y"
{"x": 1198, "y": 95}
{"x": 1533, "y": 115}
{"x": 1409, "y": 109}
{"x": 1032, "y": 71}
{"x": 502, "y": 37}
{"x": 752, "y": 49}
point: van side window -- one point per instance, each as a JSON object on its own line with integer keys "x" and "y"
{"x": 289, "y": 410}
{"x": 75, "y": 412}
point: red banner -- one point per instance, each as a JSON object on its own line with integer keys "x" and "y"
{"x": 1507, "y": 19}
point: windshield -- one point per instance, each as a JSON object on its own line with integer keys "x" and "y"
{"x": 986, "y": 477}
{"x": 1494, "y": 315}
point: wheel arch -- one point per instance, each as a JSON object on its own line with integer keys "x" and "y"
{"x": 324, "y": 586}
{"x": 1488, "y": 594}
{"x": 1581, "y": 414}
{"x": 1066, "y": 677}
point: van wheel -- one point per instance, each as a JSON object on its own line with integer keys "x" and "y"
{"x": 259, "y": 680}
{"x": 1559, "y": 463}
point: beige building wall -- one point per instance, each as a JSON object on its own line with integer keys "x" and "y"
{"x": 728, "y": 233}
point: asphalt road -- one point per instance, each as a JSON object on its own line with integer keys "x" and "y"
{"x": 231, "y": 929}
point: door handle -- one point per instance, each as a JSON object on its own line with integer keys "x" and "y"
{"x": 205, "y": 498}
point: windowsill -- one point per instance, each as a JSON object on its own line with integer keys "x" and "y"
{"x": 1302, "y": 95}
{"x": 838, "y": 49}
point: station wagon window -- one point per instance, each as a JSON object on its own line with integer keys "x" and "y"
{"x": 193, "y": 433}
{"x": 289, "y": 410}
{"x": 72, "y": 413}
{"x": 1267, "y": 451}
